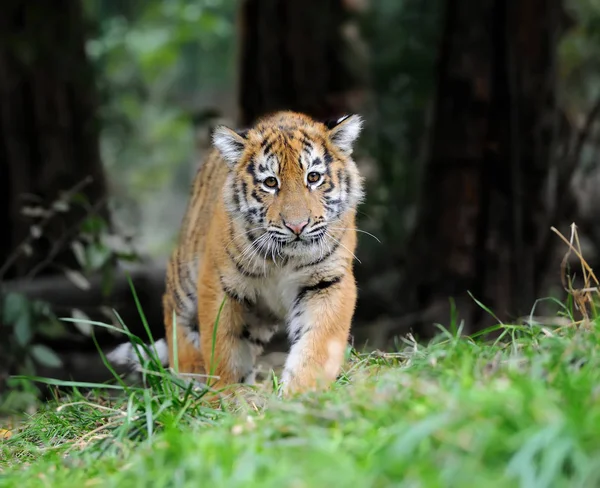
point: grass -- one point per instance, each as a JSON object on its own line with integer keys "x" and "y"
{"x": 520, "y": 410}
{"x": 523, "y": 411}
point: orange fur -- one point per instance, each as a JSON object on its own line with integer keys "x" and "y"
{"x": 237, "y": 250}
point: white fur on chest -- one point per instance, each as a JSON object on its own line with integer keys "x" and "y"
{"x": 279, "y": 290}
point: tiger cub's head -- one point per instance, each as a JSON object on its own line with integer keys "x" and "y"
{"x": 291, "y": 181}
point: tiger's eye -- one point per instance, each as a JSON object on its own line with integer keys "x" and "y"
{"x": 271, "y": 182}
{"x": 313, "y": 177}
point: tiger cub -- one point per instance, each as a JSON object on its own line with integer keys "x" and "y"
{"x": 268, "y": 240}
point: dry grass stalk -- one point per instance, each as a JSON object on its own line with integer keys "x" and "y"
{"x": 583, "y": 298}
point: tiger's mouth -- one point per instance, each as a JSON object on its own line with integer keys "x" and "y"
{"x": 307, "y": 238}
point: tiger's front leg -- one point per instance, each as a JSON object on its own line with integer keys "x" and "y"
{"x": 318, "y": 327}
{"x": 228, "y": 355}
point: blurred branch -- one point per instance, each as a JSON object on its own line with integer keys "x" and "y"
{"x": 562, "y": 200}
{"x": 64, "y": 296}
{"x": 50, "y": 214}
{"x": 59, "y": 245}
{"x": 573, "y": 156}
{"x": 584, "y": 133}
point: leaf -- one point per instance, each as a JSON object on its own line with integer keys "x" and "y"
{"x": 77, "y": 279}
{"x": 76, "y": 384}
{"x": 42, "y": 308}
{"x": 28, "y": 365}
{"x": 34, "y": 211}
{"x": 60, "y": 206}
{"x": 14, "y": 305}
{"x": 27, "y": 249}
{"x": 36, "y": 231}
{"x": 93, "y": 225}
{"x": 52, "y": 328}
{"x": 79, "y": 252}
{"x": 46, "y": 356}
{"x": 22, "y": 328}
{"x": 84, "y": 326}
{"x": 108, "y": 280}
{"x": 97, "y": 255}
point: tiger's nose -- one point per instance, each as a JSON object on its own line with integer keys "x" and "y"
{"x": 296, "y": 227}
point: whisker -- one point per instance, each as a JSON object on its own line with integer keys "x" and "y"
{"x": 328, "y": 246}
{"x": 339, "y": 243}
{"x": 357, "y": 230}
{"x": 259, "y": 246}
{"x": 256, "y": 245}
{"x": 267, "y": 247}
{"x": 321, "y": 248}
{"x": 273, "y": 249}
{"x": 262, "y": 227}
{"x": 250, "y": 246}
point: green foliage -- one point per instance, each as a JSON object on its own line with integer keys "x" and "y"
{"x": 403, "y": 40}
{"x": 25, "y": 323}
{"x": 579, "y": 73}
{"x": 579, "y": 56}
{"x": 520, "y": 410}
{"x": 29, "y": 322}
{"x": 158, "y": 63}
{"x": 26, "y": 318}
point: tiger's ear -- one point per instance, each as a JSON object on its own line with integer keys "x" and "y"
{"x": 344, "y": 131}
{"x": 230, "y": 143}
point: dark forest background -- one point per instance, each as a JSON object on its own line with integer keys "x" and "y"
{"x": 481, "y": 135}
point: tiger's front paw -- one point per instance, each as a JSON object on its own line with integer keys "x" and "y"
{"x": 292, "y": 386}
{"x": 303, "y": 381}
{"x": 310, "y": 368}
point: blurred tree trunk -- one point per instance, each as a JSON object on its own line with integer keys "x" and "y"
{"x": 48, "y": 133}
{"x": 295, "y": 55}
{"x": 300, "y": 55}
{"x": 48, "y": 141}
{"x": 483, "y": 211}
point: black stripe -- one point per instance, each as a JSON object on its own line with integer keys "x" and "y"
{"x": 238, "y": 145}
{"x": 244, "y": 191}
{"x": 267, "y": 144}
{"x": 311, "y": 138}
{"x": 243, "y": 271}
{"x": 347, "y": 182}
{"x": 244, "y": 378}
{"x": 330, "y": 188}
{"x": 250, "y": 169}
{"x": 307, "y": 145}
{"x": 322, "y": 258}
{"x": 295, "y": 337}
{"x": 182, "y": 275}
{"x": 256, "y": 196}
{"x": 236, "y": 200}
{"x": 179, "y": 303}
{"x": 265, "y": 141}
{"x": 230, "y": 232}
{"x": 233, "y": 294}
{"x": 317, "y": 287}
{"x": 246, "y": 335}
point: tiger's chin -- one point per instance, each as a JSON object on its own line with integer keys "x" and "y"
{"x": 305, "y": 249}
